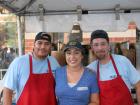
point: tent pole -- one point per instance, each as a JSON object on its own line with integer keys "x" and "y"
{"x": 19, "y": 35}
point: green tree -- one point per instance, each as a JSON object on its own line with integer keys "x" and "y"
{"x": 3, "y": 35}
{"x": 11, "y": 30}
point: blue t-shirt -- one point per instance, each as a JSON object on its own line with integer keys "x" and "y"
{"x": 18, "y": 72}
{"x": 125, "y": 68}
{"x": 80, "y": 93}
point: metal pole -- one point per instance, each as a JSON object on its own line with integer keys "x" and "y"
{"x": 19, "y": 35}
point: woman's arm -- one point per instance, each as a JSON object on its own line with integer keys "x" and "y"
{"x": 94, "y": 99}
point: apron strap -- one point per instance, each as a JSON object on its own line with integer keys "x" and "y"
{"x": 49, "y": 66}
{"x": 98, "y": 76}
{"x": 30, "y": 61}
{"x": 31, "y": 66}
{"x": 114, "y": 65}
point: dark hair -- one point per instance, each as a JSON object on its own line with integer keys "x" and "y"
{"x": 118, "y": 49}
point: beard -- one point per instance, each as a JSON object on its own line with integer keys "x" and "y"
{"x": 40, "y": 56}
{"x": 100, "y": 55}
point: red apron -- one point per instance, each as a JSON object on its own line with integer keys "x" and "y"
{"x": 115, "y": 91}
{"x": 39, "y": 89}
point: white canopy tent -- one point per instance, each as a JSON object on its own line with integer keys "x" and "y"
{"x": 88, "y": 23}
{"x": 60, "y": 15}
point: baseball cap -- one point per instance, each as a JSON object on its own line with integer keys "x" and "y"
{"x": 73, "y": 44}
{"x": 43, "y": 36}
{"x": 99, "y": 34}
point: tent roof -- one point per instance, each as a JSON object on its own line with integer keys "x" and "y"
{"x": 111, "y": 15}
{"x": 33, "y": 7}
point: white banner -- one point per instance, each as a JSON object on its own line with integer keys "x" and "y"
{"x": 89, "y": 22}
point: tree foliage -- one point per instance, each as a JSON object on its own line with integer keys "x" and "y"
{"x": 8, "y": 31}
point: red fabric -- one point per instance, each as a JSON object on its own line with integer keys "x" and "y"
{"x": 115, "y": 91}
{"x": 39, "y": 89}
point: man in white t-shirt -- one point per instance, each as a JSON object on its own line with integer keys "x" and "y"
{"x": 115, "y": 73}
{"x": 31, "y": 77}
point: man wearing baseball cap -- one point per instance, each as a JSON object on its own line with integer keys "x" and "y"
{"x": 115, "y": 73}
{"x": 31, "y": 77}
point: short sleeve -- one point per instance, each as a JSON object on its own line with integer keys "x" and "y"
{"x": 94, "y": 84}
{"x": 93, "y": 66}
{"x": 133, "y": 74}
{"x": 10, "y": 78}
{"x": 54, "y": 64}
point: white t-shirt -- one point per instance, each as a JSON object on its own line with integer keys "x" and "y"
{"x": 18, "y": 72}
{"x": 125, "y": 68}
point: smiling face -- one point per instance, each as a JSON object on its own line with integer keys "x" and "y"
{"x": 73, "y": 57}
{"x": 42, "y": 48}
{"x": 101, "y": 48}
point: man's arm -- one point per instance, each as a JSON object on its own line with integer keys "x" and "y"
{"x": 137, "y": 86}
{"x": 7, "y": 96}
{"x": 94, "y": 100}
